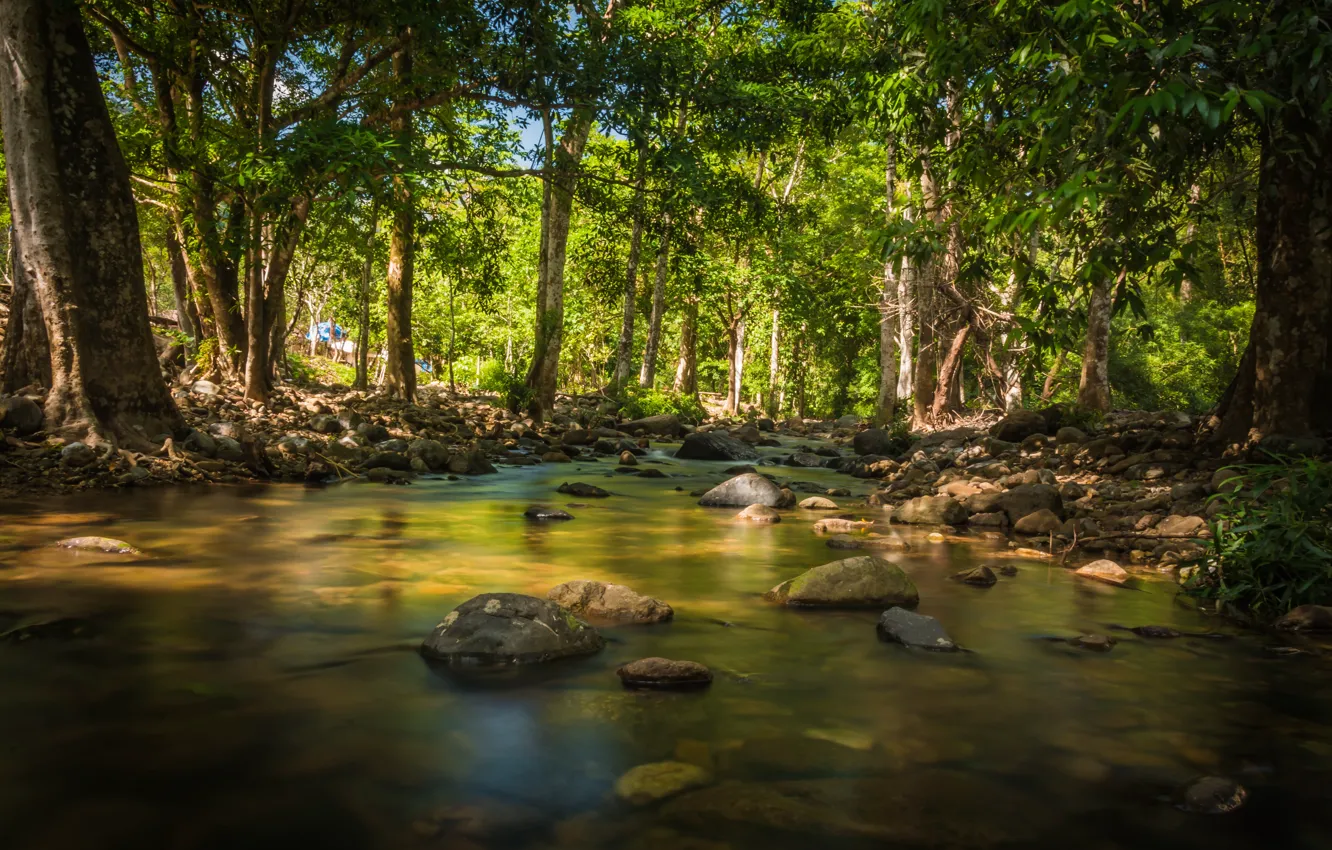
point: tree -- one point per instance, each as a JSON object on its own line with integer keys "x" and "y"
{"x": 77, "y": 229}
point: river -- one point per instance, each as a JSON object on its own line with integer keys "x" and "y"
{"x": 251, "y": 681}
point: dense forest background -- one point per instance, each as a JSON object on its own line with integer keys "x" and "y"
{"x": 802, "y": 208}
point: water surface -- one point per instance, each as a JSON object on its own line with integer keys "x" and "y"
{"x": 251, "y": 682}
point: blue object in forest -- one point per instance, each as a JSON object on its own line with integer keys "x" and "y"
{"x": 323, "y": 329}
{"x": 423, "y": 366}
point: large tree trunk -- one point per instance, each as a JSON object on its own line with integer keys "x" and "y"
{"x": 1094, "y": 387}
{"x": 75, "y": 220}
{"x": 27, "y": 355}
{"x": 1285, "y": 380}
{"x": 625, "y": 350}
{"x": 543, "y": 377}
{"x": 647, "y": 375}
{"x": 400, "y": 369}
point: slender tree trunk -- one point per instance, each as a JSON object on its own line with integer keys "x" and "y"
{"x": 75, "y": 220}
{"x": 885, "y": 406}
{"x": 774, "y": 366}
{"x": 686, "y": 369}
{"x": 400, "y": 369}
{"x": 27, "y": 354}
{"x": 1052, "y": 377}
{"x": 735, "y": 363}
{"x": 1284, "y": 382}
{"x": 256, "y": 331}
{"x": 647, "y": 375}
{"x": 453, "y": 338}
{"x": 180, "y": 289}
{"x": 1094, "y": 386}
{"x": 948, "y": 392}
{"x": 362, "y": 379}
{"x": 926, "y": 279}
{"x": 906, "y": 327}
{"x": 625, "y": 351}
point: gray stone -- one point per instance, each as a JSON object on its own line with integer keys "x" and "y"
{"x": 204, "y": 388}
{"x": 501, "y": 629}
{"x": 1029, "y": 498}
{"x": 860, "y": 582}
{"x": 541, "y": 514}
{"x": 77, "y": 455}
{"x": 874, "y": 441}
{"x": 664, "y": 674}
{"x": 908, "y": 628}
{"x": 1214, "y": 795}
{"x": 198, "y": 441}
{"x": 931, "y": 510}
{"x": 389, "y": 460}
{"x": 373, "y": 433}
{"x": 981, "y": 576}
{"x": 805, "y": 459}
{"x": 21, "y": 415}
{"x": 582, "y": 490}
{"x": 761, "y": 514}
{"x": 742, "y": 491}
{"x": 1307, "y": 618}
{"x": 818, "y": 503}
{"x": 715, "y": 445}
{"x": 1018, "y": 425}
{"x": 1043, "y": 521}
{"x": 599, "y": 600}
{"x": 431, "y": 452}
{"x": 325, "y": 423}
{"x": 666, "y": 424}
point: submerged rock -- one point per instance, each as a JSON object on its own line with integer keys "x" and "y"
{"x": 1162, "y": 632}
{"x": 1094, "y": 643}
{"x": 541, "y": 514}
{"x": 715, "y": 445}
{"x": 981, "y": 576}
{"x": 582, "y": 490}
{"x": 98, "y": 544}
{"x": 761, "y": 514}
{"x": 501, "y": 629}
{"x": 649, "y": 783}
{"x": 860, "y": 582}
{"x": 841, "y": 525}
{"x": 603, "y": 601}
{"x": 908, "y": 628}
{"x": 742, "y": 491}
{"x": 664, "y": 674}
{"x": 1214, "y": 795}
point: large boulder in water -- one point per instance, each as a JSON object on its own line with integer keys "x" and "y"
{"x": 743, "y": 491}
{"x": 861, "y": 582}
{"x": 931, "y": 510}
{"x": 667, "y": 424}
{"x": 499, "y": 629}
{"x": 715, "y": 445}
{"x": 602, "y": 601}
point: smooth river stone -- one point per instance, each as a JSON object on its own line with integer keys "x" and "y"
{"x": 603, "y": 601}
{"x": 503, "y": 629}
{"x": 664, "y": 674}
{"x": 861, "y": 582}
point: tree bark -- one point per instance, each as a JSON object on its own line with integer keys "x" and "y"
{"x": 885, "y": 406}
{"x": 1094, "y": 386}
{"x": 625, "y": 350}
{"x": 647, "y": 375}
{"x": 926, "y": 278}
{"x": 27, "y": 354}
{"x": 947, "y": 397}
{"x": 362, "y": 379}
{"x": 686, "y": 369}
{"x": 186, "y": 315}
{"x": 400, "y": 369}
{"x": 1285, "y": 378}
{"x": 774, "y": 366}
{"x": 76, "y": 223}
{"x": 735, "y": 364}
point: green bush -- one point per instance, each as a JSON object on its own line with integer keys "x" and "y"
{"x": 1271, "y": 547}
{"x": 510, "y": 387}
{"x": 638, "y": 402}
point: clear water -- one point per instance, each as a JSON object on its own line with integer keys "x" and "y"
{"x": 252, "y": 682}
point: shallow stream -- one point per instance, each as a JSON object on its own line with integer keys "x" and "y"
{"x": 252, "y": 682}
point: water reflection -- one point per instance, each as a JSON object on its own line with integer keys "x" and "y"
{"x": 253, "y": 684}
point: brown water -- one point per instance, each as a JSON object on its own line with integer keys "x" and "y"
{"x": 252, "y": 683}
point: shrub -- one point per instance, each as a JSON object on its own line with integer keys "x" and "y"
{"x": 1271, "y": 547}
{"x": 511, "y": 387}
{"x": 638, "y": 402}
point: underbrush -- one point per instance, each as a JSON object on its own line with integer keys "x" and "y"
{"x": 640, "y": 402}
{"x": 1271, "y": 547}
{"x": 510, "y": 386}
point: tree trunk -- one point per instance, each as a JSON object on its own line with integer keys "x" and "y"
{"x": 625, "y": 350}
{"x": 1052, "y": 377}
{"x": 400, "y": 369}
{"x": 1094, "y": 387}
{"x": 76, "y": 223}
{"x": 367, "y": 269}
{"x": 735, "y": 365}
{"x": 1284, "y": 376}
{"x": 774, "y": 366}
{"x": 27, "y": 355}
{"x": 686, "y": 369}
{"x": 885, "y": 406}
{"x": 543, "y": 377}
{"x": 186, "y": 317}
{"x": 948, "y": 395}
{"x": 926, "y": 278}
{"x": 647, "y": 375}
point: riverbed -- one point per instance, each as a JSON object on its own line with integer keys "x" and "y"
{"x": 251, "y": 681}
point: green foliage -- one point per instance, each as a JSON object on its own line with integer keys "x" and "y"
{"x": 1271, "y": 546}
{"x": 510, "y": 387}
{"x": 638, "y": 402}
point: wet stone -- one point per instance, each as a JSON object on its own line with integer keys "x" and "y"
{"x": 760, "y": 514}
{"x": 503, "y": 629}
{"x": 908, "y": 628}
{"x": 648, "y": 783}
{"x": 1214, "y": 795}
{"x": 1094, "y": 643}
{"x": 98, "y": 544}
{"x": 582, "y": 490}
{"x": 664, "y": 674}
{"x": 1160, "y": 632}
{"x": 981, "y": 576}
{"x": 540, "y": 514}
